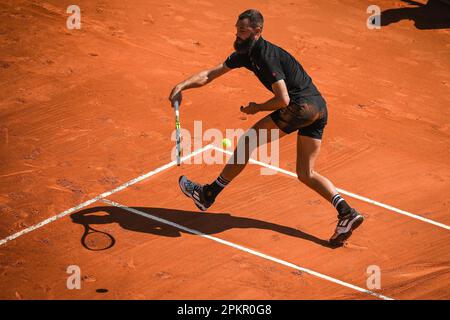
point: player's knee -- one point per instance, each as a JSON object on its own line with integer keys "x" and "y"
{"x": 244, "y": 149}
{"x": 305, "y": 176}
{"x": 248, "y": 141}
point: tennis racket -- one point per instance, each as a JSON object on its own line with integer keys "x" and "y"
{"x": 96, "y": 240}
{"x": 178, "y": 131}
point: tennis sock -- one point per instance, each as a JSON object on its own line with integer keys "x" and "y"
{"x": 216, "y": 187}
{"x": 341, "y": 206}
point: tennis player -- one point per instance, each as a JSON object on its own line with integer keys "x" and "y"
{"x": 296, "y": 106}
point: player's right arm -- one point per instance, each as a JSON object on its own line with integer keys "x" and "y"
{"x": 198, "y": 80}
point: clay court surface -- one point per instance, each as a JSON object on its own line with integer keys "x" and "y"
{"x": 83, "y": 112}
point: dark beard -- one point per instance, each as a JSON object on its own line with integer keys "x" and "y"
{"x": 244, "y": 46}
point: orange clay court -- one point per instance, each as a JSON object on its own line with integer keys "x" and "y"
{"x": 85, "y": 139}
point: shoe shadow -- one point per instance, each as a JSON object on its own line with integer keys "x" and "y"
{"x": 435, "y": 14}
{"x": 206, "y": 223}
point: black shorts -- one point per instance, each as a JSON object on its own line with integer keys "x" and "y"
{"x": 309, "y": 117}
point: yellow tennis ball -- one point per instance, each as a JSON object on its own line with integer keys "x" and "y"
{"x": 226, "y": 143}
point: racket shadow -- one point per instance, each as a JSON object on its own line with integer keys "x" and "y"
{"x": 207, "y": 223}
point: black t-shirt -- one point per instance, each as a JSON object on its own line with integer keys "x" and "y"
{"x": 271, "y": 63}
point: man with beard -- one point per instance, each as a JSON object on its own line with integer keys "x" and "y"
{"x": 297, "y": 105}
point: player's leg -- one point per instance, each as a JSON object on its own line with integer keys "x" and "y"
{"x": 308, "y": 149}
{"x": 255, "y": 137}
{"x": 205, "y": 195}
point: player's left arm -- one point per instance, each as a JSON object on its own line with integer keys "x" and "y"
{"x": 280, "y": 99}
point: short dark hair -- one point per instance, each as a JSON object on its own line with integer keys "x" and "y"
{"x": 255, "y": 18}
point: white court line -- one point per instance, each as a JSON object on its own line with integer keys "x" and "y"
{"x": 248, "y": 250}
{"x": 353, "y": 195}
{"x": 103, "y": 195}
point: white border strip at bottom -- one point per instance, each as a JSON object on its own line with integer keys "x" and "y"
{"x": 251, "y": 251}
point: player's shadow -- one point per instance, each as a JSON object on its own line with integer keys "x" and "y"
{"x": 206, "y": 223}
{"x": 433, "y": 15}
